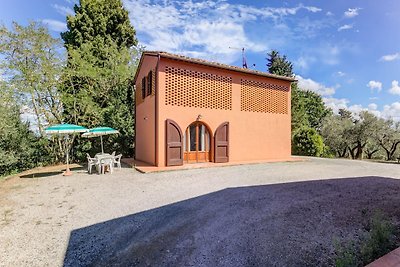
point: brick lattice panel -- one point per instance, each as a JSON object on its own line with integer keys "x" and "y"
{"x": 263, "y": 97}
{"x": 197, "y": 89}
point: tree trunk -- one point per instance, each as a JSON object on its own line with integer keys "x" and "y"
{"x": 353, "y": 152}
{"x": 371, "y": 153}
{"x": 342, "y": 153}
{"x": 360, "y": 149}
{"x": 390, "y": 151}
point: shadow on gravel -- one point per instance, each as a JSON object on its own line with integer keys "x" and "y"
{"x": 42, "y": 174}
{"x": 291, "y": 224}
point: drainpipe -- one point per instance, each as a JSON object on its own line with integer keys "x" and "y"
{"x": 156, "y": 112}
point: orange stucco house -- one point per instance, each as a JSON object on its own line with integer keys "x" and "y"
{"x": 190, "y": 110}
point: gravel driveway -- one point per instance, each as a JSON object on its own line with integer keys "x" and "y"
{"x": 276, "y": 214}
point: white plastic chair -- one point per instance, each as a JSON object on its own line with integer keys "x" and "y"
{"x": 91, "y": 162}
{"x": 106, "y": 162}
{"x": 117, "y": 161}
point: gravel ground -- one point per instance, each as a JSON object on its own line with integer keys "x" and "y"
{"x": 276, "y": 214}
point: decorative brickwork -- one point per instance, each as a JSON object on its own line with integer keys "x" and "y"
{"x": 263, "y": 97}
{"x": 197, "y": 89}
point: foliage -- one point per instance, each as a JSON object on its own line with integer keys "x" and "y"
{"x": 335, "y": 130}
{"x": 389, "y": 137}
{"x": 279, "y": 65}
{"x": 32, "y": 63}
{"x": 314, "y": 108}
{"x": 97, "y": 81}
{"x": 298, "y": 108}
{"x": 101, "y": 23}
{"x": 372, "y": 148}
{"x": 20, "y": 149}
{"x": 354, "y": 136}
{"x": 346, "y": 255}
{"x": 378, "y": 239}
{"x": 364, "y": 128}
{"x": 307, "y": 142}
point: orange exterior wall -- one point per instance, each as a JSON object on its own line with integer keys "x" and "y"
{"x": 145, "y": 122}
{"x": 252, "y": 135}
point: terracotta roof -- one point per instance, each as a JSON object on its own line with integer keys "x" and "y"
{"x": 215, "y": 64}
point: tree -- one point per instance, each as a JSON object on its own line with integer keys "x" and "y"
{"x": 314, "y": 108}
{"x": 279, "y": 65}
{"x": 335, "y": 130}
{"x": 389, "y": 137}
{"x": 20, "y": 149}
{"x": 307, "y": 142}
{"x": 298, "y": 108}
{"x": 371, "y": 148}
{"x": 308, "y": 108}
{"x": 364, "y": 129}
{"x": 101, "y": 23}
{"x": 32, "y": 62}
{"x": 97, "y": 81}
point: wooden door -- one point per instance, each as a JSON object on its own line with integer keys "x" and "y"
{"x": 197, "y": 143}
{"x": 221, "y": 143}
{"x": 174, "y": 145}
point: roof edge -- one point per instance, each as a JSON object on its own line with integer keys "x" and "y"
{"x": 212, "y": 64}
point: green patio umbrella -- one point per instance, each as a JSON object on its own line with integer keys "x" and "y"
{"x": 100, "y": 131}
{"x": 66, "y": 129}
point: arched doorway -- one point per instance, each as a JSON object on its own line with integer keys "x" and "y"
{"x": 197, "y": 143}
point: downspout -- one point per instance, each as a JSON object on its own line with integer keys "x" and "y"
{"x": 156, "y": 112}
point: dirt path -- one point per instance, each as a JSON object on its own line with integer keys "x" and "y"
{"x": 237, "y": 218}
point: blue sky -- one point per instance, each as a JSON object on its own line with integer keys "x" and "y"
{"x": 346, "y": 50}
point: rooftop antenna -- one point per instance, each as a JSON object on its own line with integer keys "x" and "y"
{"x": 244, "y": 62}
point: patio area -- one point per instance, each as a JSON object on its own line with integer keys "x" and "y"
{"x": 41, "y": 214}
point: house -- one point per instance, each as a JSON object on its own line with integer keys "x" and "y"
{"x": 190, "y": 110}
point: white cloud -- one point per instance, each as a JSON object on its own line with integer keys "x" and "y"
{"x": 335, "y": 104}
{"x": 388, "y": 111}
{"x": 309, "y": 84}
{"x": 340, "y": 73}
{"x": 395, "y": 89}
{"x": 391, "y": 57}
{"x": 313, "y": 9}
{"x": 372, "y": 106}
{"x": 304, "y": 62}
{"x": 206, "y": 28}
{"x": 356, "y": 109}
{"x": 375, "y": 85}
{"x": 55, "y": 25}
{"x": 392, "y": 111}
{"x": 352, "y": 12}
{"x": 329, "y": 14}
{"x": 63, "y": 10}
{"x": 345, "y": 27}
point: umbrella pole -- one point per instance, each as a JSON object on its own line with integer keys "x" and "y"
{"x": 102, "y": 149}
{"x": 67, "y": 171}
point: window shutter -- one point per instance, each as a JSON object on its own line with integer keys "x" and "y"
{"x": 150, "y": 83}
{"x": 144, "y": 87}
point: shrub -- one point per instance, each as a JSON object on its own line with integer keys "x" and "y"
{"x": 346, "y": 255}
{"x": 307, "y": 142}
{"x": 379, "y": 239}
